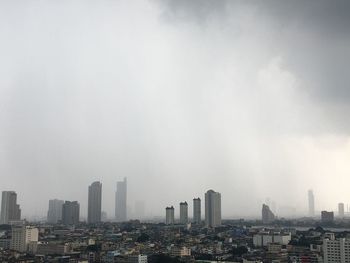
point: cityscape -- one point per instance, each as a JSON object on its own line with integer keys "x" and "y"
{"x": 174, "y": 131}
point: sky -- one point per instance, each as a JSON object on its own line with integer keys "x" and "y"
{"x": 249, "y": 98}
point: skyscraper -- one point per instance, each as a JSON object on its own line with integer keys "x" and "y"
{"x": 10, "y": 210}
{"x": 169, "y": 215}
{"x": 341, "y": 210}
{"x": 54, "y": 214}
{"x": 120, "y": 201}
{"x": 212, "y": 208}
{"x": 94, "y": 203}
{"x": 70, "y": 213}
{"x": 267, "y": 214}
{"x": 183, "y": 213}
{"x": 197, "y": 210}
{"x": 311, "y": 203}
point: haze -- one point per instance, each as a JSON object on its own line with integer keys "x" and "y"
{"x": 249, "y": 98}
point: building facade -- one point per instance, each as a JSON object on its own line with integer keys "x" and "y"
{"x": 70, "y": 213}
{"x": 336, "y": 250}
{"x": 327, "y": 217}
{"x": 22, "y": 236}
{"x": 311, "y": 200}
{"x": 212, "y": 208}
{"x": 54, "y": 214}
{"x": 267, "y": 215}
{"x": 169, "y": 215}
{"x": 183, "y": 213}
{"x": 121, "y": 201}
{"x": 10, "y": 210}
{"x": 197, "y": 217}
{"x": 94, "y": 203}
{"x": 341, "y": 210}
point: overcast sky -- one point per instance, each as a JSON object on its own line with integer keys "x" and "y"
{"x": 249, "y": 98}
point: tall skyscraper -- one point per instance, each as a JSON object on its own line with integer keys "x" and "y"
{"x": 10, "y": 210}
{"x": 311, "y": 203}
{"x": 120, "y": 201}
{"x": 54, "y": 214}
{"x": 183, "y": 213}
{"x": 169, "y": 215}
{"x": 341, "y": 210}
{"x": 212, "y": 208}
{"x": 267, "y": 215}
{"x": 22, "y": 236}
{"x": 94, "y": 203}
{"x": 70, "y": 213}
{"x": 197, "y": 210}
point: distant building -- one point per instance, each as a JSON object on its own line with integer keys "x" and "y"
{"x": 54, "y": 214}
{"x": 263, "y": 239}
{"x": 341, "y": 210}
{"x": 180, "y": 251}
{"x": 311, "y": 199}
{"x": 22, "y": 237}
{"x": 120, "y": 201}
{"x": 327, "y": 217}
{"x": 183, "y": 213}
{"x": 169, "y": 215}
{"x": 94, "y": 203}
{"x": 197, "y": 210}
{"x": 70, "y": 213}
{"x": 137, "y": 259}
{"x": 212, "y": 208}
{"x": 267, "y": 215}
{"x": 10, "y": 210}
{"x": 52, "y": 249}
{"x": 140, "y": 209}
{"x": 336, "y": 250}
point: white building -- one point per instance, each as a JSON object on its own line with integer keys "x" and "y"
{"x": 212, "y": 208}
{"x": 180, "y": 251}
{"x": 265, "y": 238}
{"x": 183, "y": 213}
{"x": 22, "y": 237}
{"x": 169, "y": 215}
{"x": 197, "y": 210}
{"x": 137, "y": 259}
{"x": 336, "y": 250}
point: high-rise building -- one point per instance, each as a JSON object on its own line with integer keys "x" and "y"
{"x": 169, "y": 215}
{"x": 54, "y": 214}
{"x": 336, "y": 250}
{"x": 341, "y": 210}
{"x": 22, "y": 236}
{"x": 183, "y": 213}
{"x": 120, "y": 201}
{"x": 267, "y": 215}
{"x": 197, "y": 210}
{"x": 327, "y": 217}
{"x": 311, "y": 203}
{"x": 94, "y": 203}
{"x": 212, "y": 208}
{"x": 70, "y": 213}
{"x": 140, "y": 209}
{"x": 10, "y": 210}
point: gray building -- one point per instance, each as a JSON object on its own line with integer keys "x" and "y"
{"x": 70, "y": 213}
{"x": 10, "y": 210}
{"x": 341, "y": 210}
{"x": 183, "y": 213}
{"x": 54, "y": 214}
{"x": 94, "y": 203}
{"x": 311, "y": 199}
{"x": 212, "y": 209}
{"x": 120, "y": 201}
{"x": 267, "y": 215}
{"x": 197, "y": 218}
{"x": 169, "y": 215}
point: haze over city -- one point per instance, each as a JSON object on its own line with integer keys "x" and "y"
{"x": 247, "y": 98}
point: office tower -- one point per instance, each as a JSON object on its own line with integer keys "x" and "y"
{"x": 183, "y": 213}
{"x": 120, "y": 201}
{"x": 10, "y": 210}
{"x": 311, "y": 203}
{"x": 140, "y": 209}
{"x": 197, "y": 210}
{"x": 22, "y": 237}
{"x": 169, "y": 215}
{"x": 70, "y": 213}
{"x": 327, "y": 217}
{"x": 212, "y": 208}
{"x": 267, "y": 215}
{"x": 54, "y": 214}
{"x": 341, "y": 210}
{"x": 94, "y": 203}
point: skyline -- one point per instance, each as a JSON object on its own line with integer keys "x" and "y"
{"x": 247, "y": 98}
